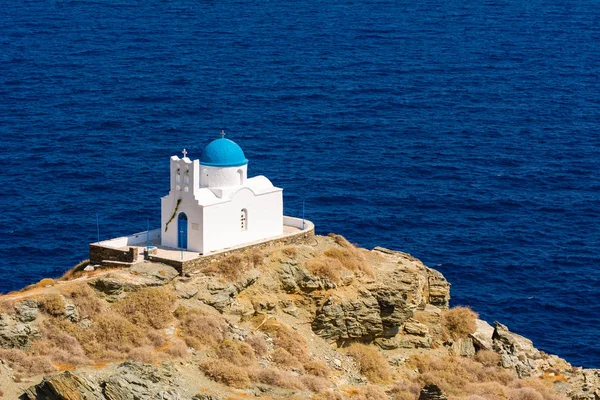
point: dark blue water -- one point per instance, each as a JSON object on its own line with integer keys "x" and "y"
{"x": 465, "y": 133}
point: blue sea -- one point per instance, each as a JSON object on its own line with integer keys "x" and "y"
{"x": 466, "y": 133}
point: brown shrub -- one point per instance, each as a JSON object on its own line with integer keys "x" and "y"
{"x": 52, "y": 304}
{"x": 373, "y": 364}
{"x": 237, "y": 353}
{"x": 488, "y": 390}
{"x": 179, "y": 349}
{"x": 285, "y": 360}
{"x": 542, "y": 386}
{"x": 26, "y": 364}
{"x": 180, "y": 312}
{"x": 200, "y": 329}
{"x": 156, "y": 338}
{"x": 59, "y": 345}
{"x": 226, "y": 373}
{"x": 341, "y": 241}
{"x": 289, "y": 251}
{"x": 370, "y": 392}
{"x": 454, "y": 374}
{"x": 317, "y": 368}
{"x": 46, "y": 282}
{"x": 85, "y": 299}
{"x": 315, "y": 383}
{"x": 525, "y": 393}
{"x": 459, "y": 322}
{"x": 256, "y": 258}
{"x": 405, "y": 390}
{"x": 230, "y": 268}
{"x": 328, "y": 395}
{"x": 259, "y": 344}
{"x": 113, "y": 332}
{"x": 351, "y": 258}
{"x": 287, "y": 338}
{"x": 7, "y": 306}
{"x": 144, "y": 354}
{"x": 488, "y": 358}
{"x": 282, "y": 379}
{"x": 76, "y": 271}
{"x": 326, "y": 268}
{"x": 148, "y": 308}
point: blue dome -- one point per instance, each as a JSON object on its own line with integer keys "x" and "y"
{"x": 223, "y": 153}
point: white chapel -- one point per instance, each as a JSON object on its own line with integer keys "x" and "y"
{"x": 213, "y": 205}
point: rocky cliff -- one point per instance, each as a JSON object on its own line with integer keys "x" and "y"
{"x": 318, "y": 320}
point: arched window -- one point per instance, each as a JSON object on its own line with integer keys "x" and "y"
{"x": 244, "y": 219}
{"x": 241, "y": 175}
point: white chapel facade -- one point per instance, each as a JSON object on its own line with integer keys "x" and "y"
{"x": 213, "y": 205}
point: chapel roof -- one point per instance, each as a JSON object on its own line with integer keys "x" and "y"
{"x": 223, "y": 153}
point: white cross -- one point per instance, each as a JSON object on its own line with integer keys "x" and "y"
{"x": 184, "y": 153}
{"x": 222, "y": 133}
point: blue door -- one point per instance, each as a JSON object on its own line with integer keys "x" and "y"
{"x": 182, "y": 223}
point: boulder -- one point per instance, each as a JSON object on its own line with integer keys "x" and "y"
{"x": 482, "y": 338}
{"x": 294, "y": 278}
{"x": 15, "y": 334}
{"x": 221, "y": 295}
{"x": 27, "y": 310}
{"x": 432, "y": 392}
{"x": 64, "y": 386}
{"x": 517, "y": 352}
{"x": 348, "y": 316}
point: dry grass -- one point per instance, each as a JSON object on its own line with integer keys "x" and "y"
{"x": 259, "y": 344}
{"x": 459, "y": 376}
{"x": 144, "y": 354}
{"x": 372, "y": 363}
{"x": 317, "y": 368}
{"x": 405, "y": 390}
{"x": 60, "y": 346}
{"x": 201, "y": 329}
{"x": 46, "y": 282}
{"x": 543, "y": 387}
{"x": 282, "y": 379}
{"x": 287, "y": 338}
{"x": 76, "y": 271}
{"x": 488, "y": 358}
{"x": 369, "y": 392}
{"x": 7, "y": 306}
{"x": 315, "y": 383}
{"x": 289, "y": 251}
{"x": 52, "y": 304}
{"x": 179, "y": 349}
{"x": 283, "y": 359}
{"x": 226, "y": 373}
{"x": 237, "y": 353}
{"x": 116, "y": 333}
{"x": 459, "y": 322}
{"x": 85, "y": 300}
{"x": 25, "y": 363}
{"x": 236, "y": 265}
{"x": 351, "y": 258}
{"x": 148, "y": 308}
{"x": 326, "y": 268}
{"x": 328, "y": 395}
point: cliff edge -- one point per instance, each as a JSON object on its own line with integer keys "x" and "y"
{"x": 322, "y": 320}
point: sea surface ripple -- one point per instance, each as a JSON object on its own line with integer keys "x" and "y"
{"x": 464, "y": 133}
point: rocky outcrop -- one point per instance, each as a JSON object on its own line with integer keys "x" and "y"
{"x": 16, "y": 334}
{"x": 130, "y": 381}
{"x": 380, "y": 308}
{"x": 432, "y": 392}
{"x": 349, "y": 315}
{"x": 64, "y": 386}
